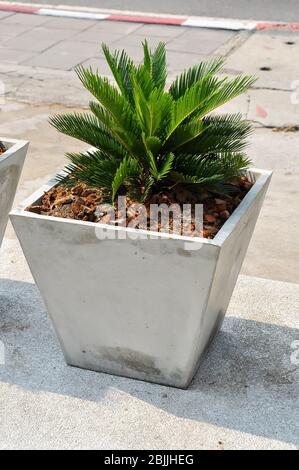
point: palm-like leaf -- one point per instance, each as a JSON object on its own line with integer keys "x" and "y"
{"x": 147, "y": 137}
{"x": 193, "y": 75}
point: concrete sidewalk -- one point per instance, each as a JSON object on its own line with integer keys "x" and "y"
{"x": 245, "y": 395}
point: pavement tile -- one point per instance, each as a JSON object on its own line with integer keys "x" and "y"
{"x": 36, "y": 39}
{"x": 25, "y": 19}
{"x": 273, "y": 108}
{"x": 100, "y": 64}
{"x": 116, "y": 27}
{"x": 47, "y": 32}
{"x": 4, "y": 37}
{"x": 202, "y": 41}
{"x": 13, "y": 56}
{"x": 177, "y": 61}
{"x": 59, "y": 60}
{"x": 149, "y": 30}
{"x": 29, "y": 42}
{"x": 5, "y": 14}
{"x": 69, "y": 23}
{"x": 134, "y": 40}
{"x": 7, "y": 31}
{"x": 76, "y": 47}
{"x": 269, "y": 50}
{"x": 97, "y": 36}
{"x": 135, "y": 52}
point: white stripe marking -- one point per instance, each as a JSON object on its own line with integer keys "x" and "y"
{"x": 72, "y": 14}
{"x": 220, "y": 23}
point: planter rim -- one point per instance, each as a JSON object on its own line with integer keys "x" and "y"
{"x": 262, "y": 177}
{"x": 15, "y": 144}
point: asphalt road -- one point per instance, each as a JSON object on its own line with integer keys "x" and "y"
{"x": 273, "y": 10}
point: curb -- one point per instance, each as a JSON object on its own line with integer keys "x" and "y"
{"x": 147, "y": 18}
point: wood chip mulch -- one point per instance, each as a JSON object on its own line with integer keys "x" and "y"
{"x": 82, "y": 203}
{"x": 2, "y": 148}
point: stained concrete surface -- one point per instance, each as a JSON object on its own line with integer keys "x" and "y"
{"x": 245, "y": 393}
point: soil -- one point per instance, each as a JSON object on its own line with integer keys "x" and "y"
{"x": 87, "y": 204}
{"x": 2, "y": 148}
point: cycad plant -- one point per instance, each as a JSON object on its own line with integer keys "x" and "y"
{"x": 147, "y": 138}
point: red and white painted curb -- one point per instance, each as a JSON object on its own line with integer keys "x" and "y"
{"x": 148, "y": 18}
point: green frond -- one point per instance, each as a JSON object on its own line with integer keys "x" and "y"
{"x": 182, "y": 178}
{"x": 159, "y": 70}
{"x": 115, "y": 103}
{"x": 127, "y": 169}
{"x": 233, "y": 164}
{"x": 147, "y": 137}
{"x": 155, "y": 64}
{"x": 166, "y": 166}
{"x": 226, "y": 91}
{"x": 186, "y": 134}
{"x": 118, "y": 134}
{"x": 91, "y": 168}
{"x": 228, "y": 132}
{"x": 192, "y": 100}
{"x": 87, "y": 128}
{"x": 217, "y": 169}
{"x": 193, "y": 75}
{"x": 147, "y": 59}
{"x": 120, "y": 65}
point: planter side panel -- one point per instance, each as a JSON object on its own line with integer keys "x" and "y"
{"x": 10, "y": 171}
{"x": 128, "y": 307}
{"x": 231, "y": 256}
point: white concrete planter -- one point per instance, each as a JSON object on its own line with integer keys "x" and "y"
{"x": 145, "y": 309}
{"x": 11, "y": 164}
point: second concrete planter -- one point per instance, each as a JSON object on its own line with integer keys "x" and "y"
{"x": 11, "y": 164}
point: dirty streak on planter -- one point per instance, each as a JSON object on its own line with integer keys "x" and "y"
{"x": 145, "y": 309}
{"x": 11, "y": 164}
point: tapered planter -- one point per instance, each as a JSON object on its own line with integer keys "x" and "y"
{"x": 11, "y": 164}
{"x": 142, "y": 308}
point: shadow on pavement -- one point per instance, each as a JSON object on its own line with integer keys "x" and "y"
{"x": 246, "y": 382}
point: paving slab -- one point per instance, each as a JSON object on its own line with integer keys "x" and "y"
{"x": 69, "y": 23}
{"x": 267, "y": 108}
{"x": 31, "y": 43}
{"x": 98, "y": 64}
{"x": 15, "y": 56}
{"x": 148, "y": 30}
{"x": 117, "y": 27}
{"x": 58, "y": 59}
{"x": 97, "y": 36}
{"x": 45, "y": 32}
{"x": 244, "y": 396}
{"x": 45, "y": 85}
{"x": 8, "y": 30}
{"x": 201, "y": 41}
{"x": 273, "y": 108}
{"x": 4, "y": 14}
{"x": 277, "y": 51}
{"x": 274, "y": 249}
{"x": 25, "y": 19}
{"x": 135, "y": 40}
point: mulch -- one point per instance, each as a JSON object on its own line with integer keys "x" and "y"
{"x": 88, "y": 204}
